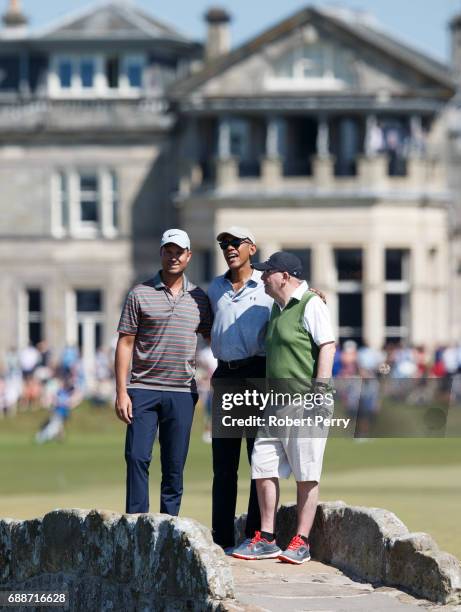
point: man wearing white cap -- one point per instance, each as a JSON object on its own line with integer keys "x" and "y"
{"x": 241, "y": 311}
{"x": 158, "y": 331}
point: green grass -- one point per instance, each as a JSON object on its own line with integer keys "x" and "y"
{"x": 418, "y": 479}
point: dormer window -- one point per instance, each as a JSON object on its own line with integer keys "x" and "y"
{"x": 97, "y": 75}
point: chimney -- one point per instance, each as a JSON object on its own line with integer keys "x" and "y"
{"x": 14, "y": 17}
{"x": 218, "y": 36}
{"x": 455, "y": 27}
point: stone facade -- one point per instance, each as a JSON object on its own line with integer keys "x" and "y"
{"x": 86, "y": 170}
{"x": 322, "y": 134}
{"x": 303, "y": 154}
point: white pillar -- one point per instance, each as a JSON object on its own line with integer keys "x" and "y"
{"x": 441, "y": 313}
{"x": 71, "y": 318}
{"x": 266, "y": 249}
{"x": 418, "y": 296}
{"x": 416, "y": 136}
{"x": 323, "y": 138}
{"x": 324, "y": 278}
{"x": 271, "y": 169}
{"x": 373, "y": 295}
{"x": 371, "y": 127}
{"x": 74, "y": 202}
{"x": 224, "y": 138}
{"x": 88, "y": 346}
{"x": 105, "y": 203}
{"x": 22, "y": 319}
{"x": 274, "y": 136}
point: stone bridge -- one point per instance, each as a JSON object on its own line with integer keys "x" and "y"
{"x": 365, "y": 558}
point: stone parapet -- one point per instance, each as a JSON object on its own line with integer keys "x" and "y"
{"x": 108, "y": 561}
{"x": 373, "y": 545}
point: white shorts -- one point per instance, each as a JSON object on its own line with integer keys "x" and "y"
{"x": 279, "y": 457}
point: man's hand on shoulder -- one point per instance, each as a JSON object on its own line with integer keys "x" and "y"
{"x": 123, "y": 407}
{"x": 321, "y": 295}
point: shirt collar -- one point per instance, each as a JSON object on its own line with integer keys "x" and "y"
{"x": 252, "y": 281}
{"x": 159, "y": 284}
{"x": 296, "y": 295}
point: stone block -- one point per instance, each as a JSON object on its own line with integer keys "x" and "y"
{"x": 26, "y": 546}
{"x": 63, "y": 540}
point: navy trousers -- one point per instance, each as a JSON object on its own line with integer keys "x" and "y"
{"x": 172, "y": 413}
{"x": 226, "y": 458}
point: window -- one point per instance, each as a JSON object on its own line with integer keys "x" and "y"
{"x": 89, "y": 199}
{"x": 316, "y": 64}
{"x": 10, "y": 70}
{"x": 86, "y": 74}
{"x": 34, "y": 316}
{"x": 65, "y": 73}
{"x": 87, "y": 70}
{"x": 349, "y": 264}
{"x": 134, "y": 72}
{"x": 349, "y": 271}
{"x": 90, "y": 317}
{"x": 305, "y": 257}
{"x": 397, "y": 261}
{"x": 397, "y": 294}
{"x": 75, "y": 73}
{"x": 85, "y": 203}
{"x": 247, "y": 138}
{"x": 89, "y": 300}
{"x": 206, "y": 264}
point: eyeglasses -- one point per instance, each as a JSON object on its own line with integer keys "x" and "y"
{"x": 235, "y": 242}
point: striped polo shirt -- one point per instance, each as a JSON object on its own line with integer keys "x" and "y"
{"x": 166, "y": 329}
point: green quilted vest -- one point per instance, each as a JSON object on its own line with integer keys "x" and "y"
{"x": 291, "y": 350}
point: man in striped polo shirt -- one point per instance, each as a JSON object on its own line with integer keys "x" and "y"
{"x": 158, "y": 331}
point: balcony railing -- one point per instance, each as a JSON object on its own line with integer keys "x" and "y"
{"x": 372, "y": 173}
{"x": 23, "y": 115}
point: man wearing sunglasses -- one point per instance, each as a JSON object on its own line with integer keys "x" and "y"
{"x": 241, "y": 313}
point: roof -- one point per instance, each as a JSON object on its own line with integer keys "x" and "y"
{"x": 364, "y": 32}
{"x": 110, "y": 19}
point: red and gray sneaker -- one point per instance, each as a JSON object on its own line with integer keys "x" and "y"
{"x": 257, "y": 548}
{"x": 297, "y": 551}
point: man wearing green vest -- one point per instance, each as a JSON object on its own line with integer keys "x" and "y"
{"x": 300, "y": 346}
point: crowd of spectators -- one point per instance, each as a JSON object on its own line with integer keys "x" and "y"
{"x": 32, "y": 377}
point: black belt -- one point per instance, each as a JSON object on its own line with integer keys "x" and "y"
{"x": 239, "y": 363}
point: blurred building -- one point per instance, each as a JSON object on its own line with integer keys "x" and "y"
{"x": 85, "y": 175}
{"x": 324, "y": 135}
{"x": 452, "y": 117}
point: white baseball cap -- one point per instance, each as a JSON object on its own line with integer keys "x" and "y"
{"x": 176, "y": 236}
{"x": 237, "y": 231}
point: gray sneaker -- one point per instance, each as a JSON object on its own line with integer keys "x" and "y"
{"x": 297, "y": 551}
{"x": 257, "y": 548}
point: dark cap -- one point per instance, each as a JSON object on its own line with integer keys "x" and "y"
{"x": 282, "y": 261}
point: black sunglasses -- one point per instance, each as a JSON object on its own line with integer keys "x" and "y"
{"x": 235, "y": 242}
